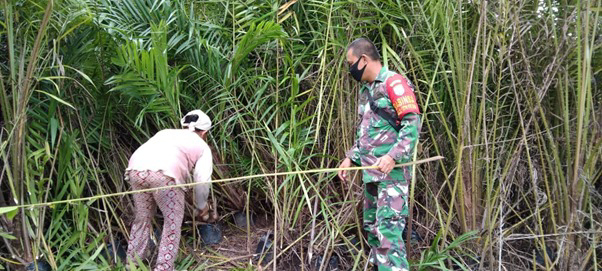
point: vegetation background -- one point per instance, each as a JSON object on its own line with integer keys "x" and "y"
{"x": 510, "y": 92}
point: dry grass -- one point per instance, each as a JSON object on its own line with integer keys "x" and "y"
{"x": 510, "y": 92}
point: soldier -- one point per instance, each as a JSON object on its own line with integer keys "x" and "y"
{"x": 387, "y": 134}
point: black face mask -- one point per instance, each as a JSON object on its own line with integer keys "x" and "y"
{"x": 355, "y": 72}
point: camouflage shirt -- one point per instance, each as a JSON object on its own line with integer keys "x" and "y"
{"x": 376, "y": 137}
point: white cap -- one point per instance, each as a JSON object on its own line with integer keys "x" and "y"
{"x": 202, "y": 123}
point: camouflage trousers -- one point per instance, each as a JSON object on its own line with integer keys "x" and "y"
{"x": 385, "y": 210}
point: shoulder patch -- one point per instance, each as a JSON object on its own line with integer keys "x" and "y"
{"x": 401, "y": 93}
{"x": 398, "y": 89}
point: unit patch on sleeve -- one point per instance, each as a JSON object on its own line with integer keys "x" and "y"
{"x": 401, "y": 93}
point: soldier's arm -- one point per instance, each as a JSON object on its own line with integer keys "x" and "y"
{"x": 401, "y": 93}
{"x": 354, "y": 153}
{"x": 403, "y": 150}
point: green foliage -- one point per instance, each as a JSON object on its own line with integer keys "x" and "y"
{"x": 435, "y": 258}
{"x": 509, "y": 91}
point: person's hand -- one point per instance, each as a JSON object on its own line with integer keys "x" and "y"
{"x": 207, "y": 214}
{"x": 202, "y": 214}
{"x": 342, "y": 172}
{"x": 385, "y": 164}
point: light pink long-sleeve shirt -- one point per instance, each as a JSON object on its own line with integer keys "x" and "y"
{"x": 176, "y": 152}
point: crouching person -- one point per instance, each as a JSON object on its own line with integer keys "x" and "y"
{"x": 167, "y": 159}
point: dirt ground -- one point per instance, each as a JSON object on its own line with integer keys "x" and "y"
{"x": 236, "y": 249}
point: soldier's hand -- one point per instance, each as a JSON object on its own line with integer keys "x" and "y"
{"x": 343, "y": 173}
{"x": 385, "y": 164}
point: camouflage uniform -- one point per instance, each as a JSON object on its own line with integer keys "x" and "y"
{"x": 386, "y": 195}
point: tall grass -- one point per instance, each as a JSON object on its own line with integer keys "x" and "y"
{"x": 509, "y": 90}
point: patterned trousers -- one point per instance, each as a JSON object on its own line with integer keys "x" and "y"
{"x": 171, "y": 204}
{"x": 385, "y": 209}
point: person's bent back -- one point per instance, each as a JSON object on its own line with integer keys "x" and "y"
{"x": 167, "y": 159}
